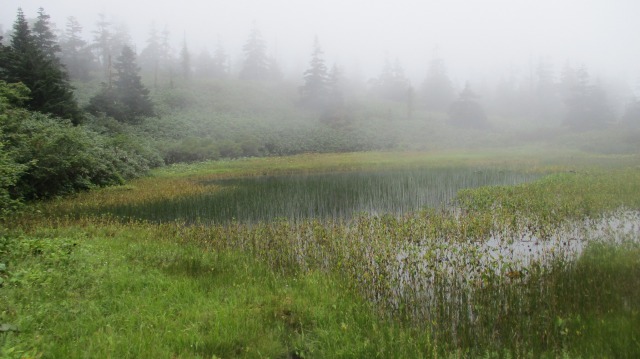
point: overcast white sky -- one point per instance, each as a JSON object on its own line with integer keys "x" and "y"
{"x": 473, "y": 36}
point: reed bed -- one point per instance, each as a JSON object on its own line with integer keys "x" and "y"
{"x": 542, "y": 268}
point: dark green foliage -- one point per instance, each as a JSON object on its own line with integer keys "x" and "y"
{"x": 60, "y": 158}
{"x": 31, "y": 60}
{"x": 10, "y": 95}
{"x": 42, "y": 156}
{"x": 44, "y": 37}
{"x": 467, "y": 112}
{"x": 128, "y": 99}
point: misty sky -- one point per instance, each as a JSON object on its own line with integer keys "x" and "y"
{"x": 474, "y": 37}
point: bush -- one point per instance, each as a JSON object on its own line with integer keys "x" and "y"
{"x": 191, "y": 150}
{"x": 45, "y": 157}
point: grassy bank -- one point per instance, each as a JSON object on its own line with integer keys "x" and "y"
{"x": 96, "y": 286}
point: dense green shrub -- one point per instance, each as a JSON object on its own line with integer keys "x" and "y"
{"x": 42, "y": 156}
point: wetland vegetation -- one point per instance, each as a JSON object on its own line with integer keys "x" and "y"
{"x": 154, "y": 204}
{"x": 492, "y": 274}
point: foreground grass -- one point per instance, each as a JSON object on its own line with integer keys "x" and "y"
{"x": 81, "y": 286}
{"x": 122, "y": 294}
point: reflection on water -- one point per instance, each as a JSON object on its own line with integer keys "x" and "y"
{"x": 326, "y": 196}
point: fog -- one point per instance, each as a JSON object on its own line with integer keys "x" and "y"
{"x": 476, "y": 39}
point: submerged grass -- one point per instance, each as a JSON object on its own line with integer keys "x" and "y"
{"x": 422, "y": 284}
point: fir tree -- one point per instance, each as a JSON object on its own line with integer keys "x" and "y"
{"x": 150, "y": 55}
{"x": 185, "y": 60}
{"x": 467, "y": 112}
{"x": 586, "y": 103}
{"x": 128, "y": 99}
{"x": 44, "y": 37}
{"x": 256, "y": 62}
{"x": 101, "y": 40}
{"x": 75, "y": 54}
{"x": 35, "y": 66}
{"x": 314, "y": 91}
{"x": 437, "y": 89}
{"x": 220, "y": 62}
{"x": 391, "y": 84}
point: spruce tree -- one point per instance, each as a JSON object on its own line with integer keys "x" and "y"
{"x": 256, "y": 62}
{"x": 467, "y": 112}
{"x": 437, "y": 89}
{"x": 314, "y": 92}
{"x": 220, "y": 65}
{"x": 31, "y": 60}
{"x": 75, "y": 54}
{"x": 185, "y": 60}
{"x": 44, "y": 37}
{"x": 101, "y": 38}
{"x": 127, "y": 100}
{"x": 392, "y": 84}
{"x": 150, "y": 55}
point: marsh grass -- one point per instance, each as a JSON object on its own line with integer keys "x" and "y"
{"x": 420, "y": 284}
{"x": 296, "y": 197}
{"x": 126, "y": 294}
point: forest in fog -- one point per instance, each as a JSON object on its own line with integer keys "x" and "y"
{"x": 106, "y": 108}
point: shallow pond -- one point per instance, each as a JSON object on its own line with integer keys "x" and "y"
{"x": 328, "y": 195}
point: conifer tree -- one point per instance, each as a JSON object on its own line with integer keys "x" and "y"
{"x": 314, "y": 92}
{"x": 101, "y": 40}
{"x": 586, "y": 103}
{"x": 44, "y": 37}
{"x": 127, "y": 100}
{"x": 150, "y": 55}
{"x": 391, "y": 84}
{"x": 220, "y": 62}
{"x": 185, "y": 60}
{"x": 256, "y": 62}
{"x": 437, "y": 89}
{"x": 467, "y": 112}
{"x": 75, "y": 54}
{"x": 30, "y": 60}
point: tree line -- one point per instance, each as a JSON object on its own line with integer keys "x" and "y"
{"x": 51, "y": 145}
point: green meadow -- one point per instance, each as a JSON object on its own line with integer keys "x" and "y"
{"x": 492, "y": 254}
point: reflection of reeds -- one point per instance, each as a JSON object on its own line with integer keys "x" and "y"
{"x": 432, "y": 269}
{"x": 263, "y": 198}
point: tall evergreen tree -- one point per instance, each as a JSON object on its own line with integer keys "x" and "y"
{"x": 185, "y": 60}
{"x": 256, "y": 62}
{"x": 392, "y": 84}
{"x": 220, "y": 62}
{"x": 150, "y": 55}
{"x": 437, "y": 90}
{"x": 335, "y": 86}
{"x": 467, "y": 112}
{"x": 127, "y": 100}
{"x": 26, "y": 62}
{"x": 101, "y": 40}
{"x": 631, "y": 116}
{"x": 314, "y": 92}
{"x": 586, "y": 103}
{"x": 166, "y": 52}
{"x": 75, "y": 54}
{"x": 44, "y": 37}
